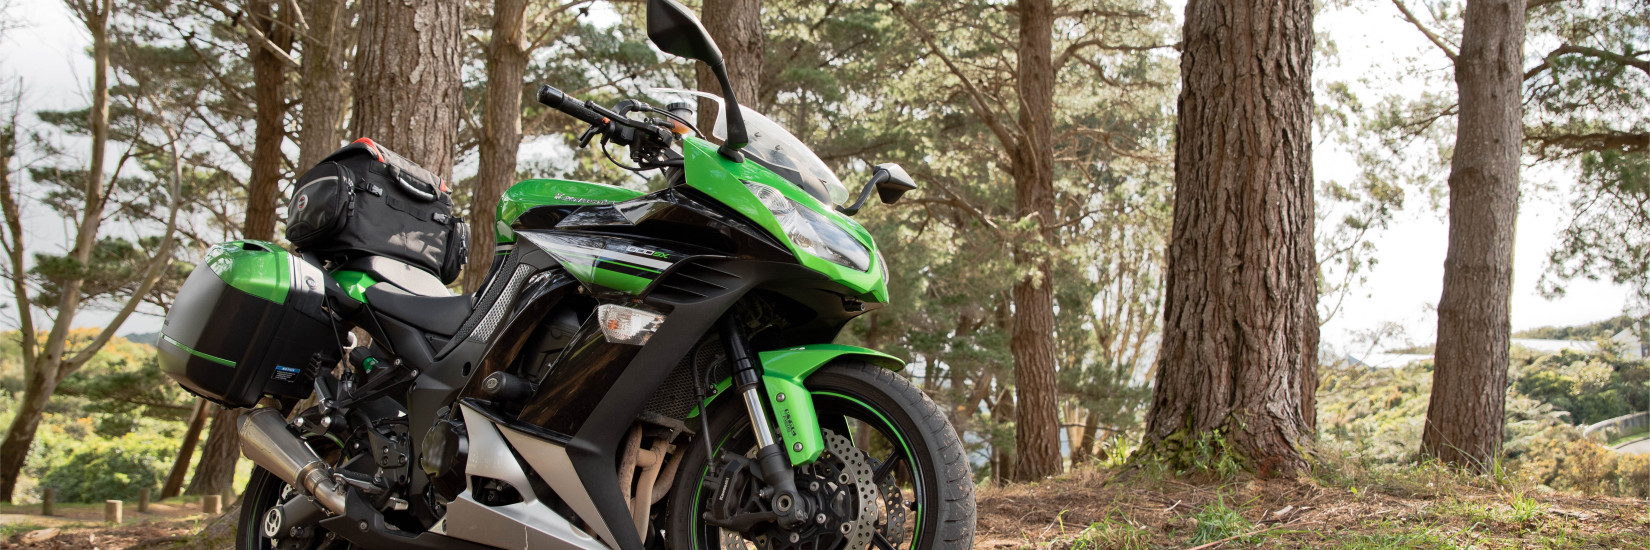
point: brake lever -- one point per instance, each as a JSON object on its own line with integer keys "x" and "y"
{"x": 584, "y": 139}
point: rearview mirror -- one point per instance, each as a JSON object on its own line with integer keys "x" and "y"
{"x": 676, "y": 31}
{"x": 892, "y": 187}
{"x": 890, "y": 181}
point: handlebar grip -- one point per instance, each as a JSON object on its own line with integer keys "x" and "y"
{"x": 559, "y": 101}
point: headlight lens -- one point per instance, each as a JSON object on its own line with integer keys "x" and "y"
{"x": 812, "y": 231}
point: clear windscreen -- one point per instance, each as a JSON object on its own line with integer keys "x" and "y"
{"x": 777, "y": 150}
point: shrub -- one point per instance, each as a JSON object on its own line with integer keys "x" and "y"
{"x": 97, "y": 469}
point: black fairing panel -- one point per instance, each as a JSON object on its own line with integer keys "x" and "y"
{"x": 679, "y": 215}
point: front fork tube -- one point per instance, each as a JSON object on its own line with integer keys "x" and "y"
{"x": 771, "y": 458}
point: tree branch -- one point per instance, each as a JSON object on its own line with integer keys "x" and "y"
{"x": 253, "y": 32}
{"x": 1436, "y": 40}
{"x": 1634, "y": 62}
{"x": 1006, "y": 135}
{"x": 1593, "y": 141}
{"x": 157, "y": 263}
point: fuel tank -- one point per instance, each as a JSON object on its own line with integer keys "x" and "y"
{"x": 523, "y": 197}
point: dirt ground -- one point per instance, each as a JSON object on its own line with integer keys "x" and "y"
{"x": 1122, "y": 509}
{"x": 81, "y": 526}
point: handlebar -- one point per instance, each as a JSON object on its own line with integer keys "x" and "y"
{"x": 559, "y": 101}
{"x": 649, "y": 140}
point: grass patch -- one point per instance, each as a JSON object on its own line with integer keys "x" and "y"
{"x": 9, "y": 529}
{"x": 1629, "y": 437}
{"x": 1400, "y": 540}
{"x": 1217, "y": 521}
{"x": 1109, "y": 534}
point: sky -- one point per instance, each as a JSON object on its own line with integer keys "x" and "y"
{"x": 47, "y": 53}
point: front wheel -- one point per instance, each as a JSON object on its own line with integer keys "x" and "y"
{"x": 912, "y": 489}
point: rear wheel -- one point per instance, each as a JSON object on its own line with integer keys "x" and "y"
{"x": 255, "y": 529}
{"x": 893, "y": 474}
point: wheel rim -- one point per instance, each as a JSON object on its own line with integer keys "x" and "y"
{"x": 871, "y": 429}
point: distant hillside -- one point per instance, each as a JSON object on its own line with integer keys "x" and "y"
{"x": 1590, "y": 331}
{"x": 150, "y": 338}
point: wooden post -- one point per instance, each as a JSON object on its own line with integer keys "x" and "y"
{"x": 143, "y": 500}
{"x": 111, "y": 511}
{"x": 212, "y": 504}
{"x": 46, "y": 501}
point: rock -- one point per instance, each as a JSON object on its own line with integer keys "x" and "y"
{"x": 42, "y": 535}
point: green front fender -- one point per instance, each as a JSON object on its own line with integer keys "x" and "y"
{"x": 784, "y": 371}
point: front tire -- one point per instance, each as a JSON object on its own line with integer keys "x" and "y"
{"x": 915, "y": 450}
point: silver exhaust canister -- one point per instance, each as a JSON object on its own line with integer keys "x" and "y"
{"x": 266, "y": 441}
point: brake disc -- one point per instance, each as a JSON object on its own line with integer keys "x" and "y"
{"x": 893, "y": 510}
{"x": 856, "y": 472}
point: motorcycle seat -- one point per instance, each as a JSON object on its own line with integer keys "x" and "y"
{"x": 411, "y": 295}
{"x": 441, "y": 315}
{"x": 413, "y": 280}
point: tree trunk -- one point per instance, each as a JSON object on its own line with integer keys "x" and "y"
{"x": 186, "y": 451}
{"x": 736, "y": 25}
{"x": 47, "y": 369}
{"x": 407, "y": 79}
{"x": 269, "y": 93}
{"x": 1082, "y": 449}
{"x": 500, "y": 134}
{"x": 20, "y": 436}
{"x": 216, "y": 472}
{"x": 1469, "y": 382}
{"x": 1240, "y": 329}
{"x": 1037, "y": 423}
{"x": 323, "y": 88}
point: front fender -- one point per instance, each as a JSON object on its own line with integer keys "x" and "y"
{"x": 784, "y": 371}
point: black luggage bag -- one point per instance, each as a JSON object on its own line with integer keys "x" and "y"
{"x": 365, "y": 200}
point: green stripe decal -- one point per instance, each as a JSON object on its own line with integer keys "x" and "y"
{"x": 192, "y": 351}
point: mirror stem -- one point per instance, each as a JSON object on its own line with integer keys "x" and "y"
{"x": 864, "y": 195}
{"x": 737, "y": 138}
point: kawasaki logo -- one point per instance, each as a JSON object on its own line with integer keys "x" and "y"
{"x": 569, "y": 198}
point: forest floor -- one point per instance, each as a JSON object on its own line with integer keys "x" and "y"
{"x": 1117, "y": 509}
{"x": 1413, "y": 507}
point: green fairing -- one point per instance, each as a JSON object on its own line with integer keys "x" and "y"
{"x": 784, "y": 372}
{"x": 523, "y": 196}
{"x": 355, "y": 283}
{"x": 257, "y": 268}
{"x": 719, "y": 177}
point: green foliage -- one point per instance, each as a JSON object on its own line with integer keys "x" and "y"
{"x": 1592, "y": 388}
{"x": 1109, "y": 534}
{"x": 1217, "y": 521}
{"x": 99, "y": 469}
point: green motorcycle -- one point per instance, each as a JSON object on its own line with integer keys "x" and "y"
{"x": 638, "y": 371}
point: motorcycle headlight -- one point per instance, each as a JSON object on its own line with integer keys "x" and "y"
{"x": 812, "y": 231}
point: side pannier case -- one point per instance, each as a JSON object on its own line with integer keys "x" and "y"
{"x": 247, "y": 323}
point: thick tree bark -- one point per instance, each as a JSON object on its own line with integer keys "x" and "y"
{"x": 269, "y": 92}
{"x": 1469, "y": 383}
{"x": 406, "y": 86}
{"x": 1037, "y": 423}
{"x": 45, "y": 370}
{"x": 323, "y": 91}
{"x": 191, "y": 439}
{"x": 500, "y": 134}
{"x": 736, "y": 25}
{"x": 1240, "y": 328}
{"x": 215, "y": 474}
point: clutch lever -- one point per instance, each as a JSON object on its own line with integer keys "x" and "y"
{"x": 584, "y": 139}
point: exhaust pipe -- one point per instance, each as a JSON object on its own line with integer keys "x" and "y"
{"x": 267, "y": 442}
